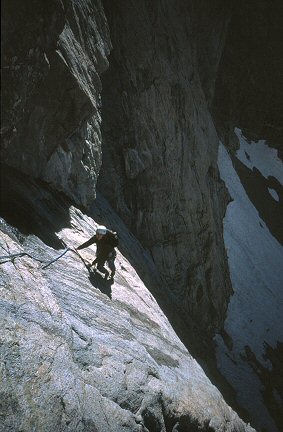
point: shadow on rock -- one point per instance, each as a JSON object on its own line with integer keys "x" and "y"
{"x": 102, "y": 284}
{"x": 33, "y": 207}
{"x": 198, "y": 343}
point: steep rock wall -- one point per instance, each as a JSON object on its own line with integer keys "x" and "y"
{"x": 82, "y": 354}
{"x": 160, "y": 146}
{"x": 160, "y": 142}
{"x": 53, "y": 53}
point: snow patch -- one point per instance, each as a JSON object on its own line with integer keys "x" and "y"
{"x": 245, "y": 380}
{"x": 259, "y": 155}
{"x": 274, "y": 194}
{"x": 255, "y": 257}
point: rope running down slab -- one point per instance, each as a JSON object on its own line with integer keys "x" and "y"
{"x": 12, "y": 257}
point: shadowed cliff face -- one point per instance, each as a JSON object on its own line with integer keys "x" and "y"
{"x": 160, "y": 145}
{"x": 249, "y": 348}
{"x": 249, "y": 95}
{"x": 52, "y": 55}
{"x": 249, "y": 87}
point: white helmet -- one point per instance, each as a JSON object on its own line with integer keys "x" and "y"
{"x": 101, "y": 229}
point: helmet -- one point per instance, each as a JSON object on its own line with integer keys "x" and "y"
{"x": 101, "y": 230}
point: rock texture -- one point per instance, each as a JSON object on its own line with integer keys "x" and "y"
{"x": 160, "y": 146}
{"x": 79, "y": 354}
{"x": 249, "y": 349}
{"x": 53, "y": 53}
{"x": 181, "y": 74}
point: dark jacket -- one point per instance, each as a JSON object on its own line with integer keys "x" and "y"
{"x": 104, "y": 246}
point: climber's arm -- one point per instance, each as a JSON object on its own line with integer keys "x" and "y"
{"x": 87, "y": 243}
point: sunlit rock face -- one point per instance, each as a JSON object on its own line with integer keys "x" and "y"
{"x": 53, "y": 54}
{"x": 160, "y": 145}
{"x": 79, "y": 353}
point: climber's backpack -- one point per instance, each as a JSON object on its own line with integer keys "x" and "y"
{"x": 113, "y": 238}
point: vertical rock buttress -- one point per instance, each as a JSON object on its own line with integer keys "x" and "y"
{"x": 160, "y": 145}
{"x": 53, "y": 54}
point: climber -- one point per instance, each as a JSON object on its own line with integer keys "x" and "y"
{"x": 105, "y": 241}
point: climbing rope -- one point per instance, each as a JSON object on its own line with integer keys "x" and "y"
{"x": 56, "y": 259}
{"x": 12, "y": 257}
